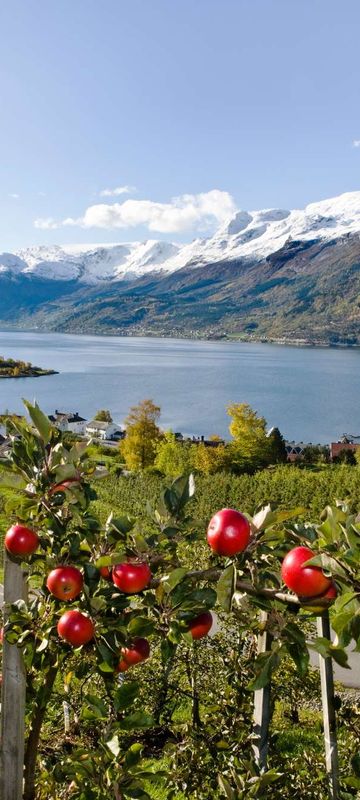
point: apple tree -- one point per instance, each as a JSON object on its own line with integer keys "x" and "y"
{"x": 104, "y": 598}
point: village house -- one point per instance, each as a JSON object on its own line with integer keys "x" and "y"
{"x": 67, "y": 421}
{"x": 295, "y": 450}
{"x": 199, "y": 440}
{"x": 347, "y": 442}
{"x": 104, "y": 430}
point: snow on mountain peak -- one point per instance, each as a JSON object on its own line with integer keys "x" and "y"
{"x": 247, "y": 235}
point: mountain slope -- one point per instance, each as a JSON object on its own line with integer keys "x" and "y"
{"x": 278, "y": 275}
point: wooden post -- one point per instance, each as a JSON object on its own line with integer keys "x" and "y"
{"x": 329, "y": 716}
{"x": 13, "y": 695}
{"x": 262, "y": 706}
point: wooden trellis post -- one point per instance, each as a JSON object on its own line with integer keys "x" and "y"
{"x": 328, "y": 706}
{"x": 262, "y": 705}
{"x": 13, "y": 696}
{"x": 262, "y": 709}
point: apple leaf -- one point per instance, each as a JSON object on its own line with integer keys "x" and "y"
{"x": 133, "y": 754}
{"x": 125, "y": 695}
{"x": 139, "y": 719}
{"x": 328, "y": 650}
{"x": 175, "y": 577}
{"x": 40, "y": 420}
{"x": 265, "y": 665}
{"x": 111, "y": 560}
{"x": 226, "y": 587}
{"x": 140, "y": 626}
{"x": 226, "y": 788}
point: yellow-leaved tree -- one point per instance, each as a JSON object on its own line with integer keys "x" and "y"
{"x": 142, "y": 435}
{"x": 250, "y": 444}
{"x": 173, "y": 458}
{"x": 209, "y": 459}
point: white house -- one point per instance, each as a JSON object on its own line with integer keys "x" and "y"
{"x": 67, "y": 421}
{"x": 103, "y": 430}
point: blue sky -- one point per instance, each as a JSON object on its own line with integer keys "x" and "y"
{"x": 222, "y": 103}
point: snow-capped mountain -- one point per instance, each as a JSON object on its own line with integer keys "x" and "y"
{"x": 251, "y": 236}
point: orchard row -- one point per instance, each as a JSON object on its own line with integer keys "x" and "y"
{"x": 228, "y": 534}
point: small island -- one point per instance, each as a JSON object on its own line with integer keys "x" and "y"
{"x": 10, "y": 368}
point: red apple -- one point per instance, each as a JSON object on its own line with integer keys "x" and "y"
{"x": 228, "y": 532}
{"x": 131, "y": 578}
{"x": 200, "y": 626}
{"x": 1, "y": 635}
{"x": 138, "y": 652}
{"x": 330, "y": 594}
{"x": 305, "y": 581}
{"x": 21, "y": 541}
{"x": 65, "y": 583}
{"x": 76, "y": 628}
{"x": 106, "y": 573}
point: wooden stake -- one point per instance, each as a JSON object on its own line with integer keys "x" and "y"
{"x": 13, "y": 695}
{"x": 262, "y": 706}
{"x": 329, "y": 716}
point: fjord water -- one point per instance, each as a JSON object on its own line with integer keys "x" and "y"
{"x": 312, "y": 394}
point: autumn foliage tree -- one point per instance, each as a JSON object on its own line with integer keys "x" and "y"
{"x": 249, "y": 444}
{"x": 142, "y": 435}
{"x": 173, "y": 458}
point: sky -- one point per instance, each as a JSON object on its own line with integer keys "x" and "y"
{"x": 137, "y": 119}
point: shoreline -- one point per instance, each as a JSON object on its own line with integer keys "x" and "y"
{"x": 35, "y": 375}
{"x": 194, "y": 337}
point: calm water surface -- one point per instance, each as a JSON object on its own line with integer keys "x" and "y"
{"x": 312, "y": 394}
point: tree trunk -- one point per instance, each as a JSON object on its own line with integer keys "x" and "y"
{"x": 34, "y": 736}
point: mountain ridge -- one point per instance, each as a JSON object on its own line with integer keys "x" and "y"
{"x": 272, "y": 275}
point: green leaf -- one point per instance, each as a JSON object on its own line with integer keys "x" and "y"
{"x": 111, "y": 560}
{"x": 268, "y": 778}
{"x": 328, "y": 564}
{"x": 264, "y": 665}
{"x": 328, "y": 650}
{"x": 40, "y": 420}
{"x": 133, "y": 754}
{"x": 226, "y": 788}
{"x": 43, "y": 646}
{"x": 226, "y": 587}
{"x": 184, "y": 488}
{"x": 125, "y": 695}
{"x": 266, "y": 518}
{"x": 105, "y": 667}
{"x": 140, "y": 626}
{"x": 137, "y": 720}
{"x": 122, "y": 524}
{"x": 300, "y": 656}
{"x": 175, "y": 577}
{"x": 96, "y": 706}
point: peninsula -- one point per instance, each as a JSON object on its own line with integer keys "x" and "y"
{"x": 10, "y": 368}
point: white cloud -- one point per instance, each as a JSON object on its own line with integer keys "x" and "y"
{"x": 117, "y": 191}
{"x": 47, "y": 224}
{"x": 14, "y": 195}
{"x": 356, "y": 143}
{"x": 188, "y": 212}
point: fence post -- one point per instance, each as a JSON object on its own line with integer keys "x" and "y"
{"x": 328, "y": 707}
{"x": 13, "y": 695}
{"x": 262, "y": 705}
